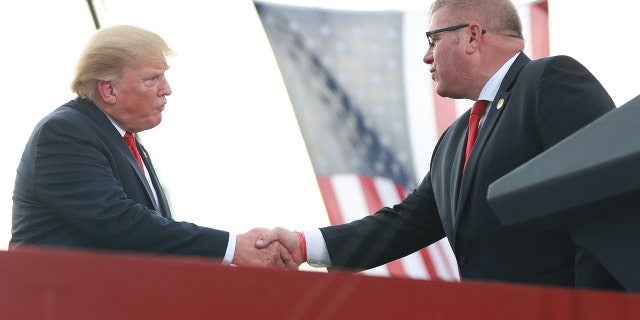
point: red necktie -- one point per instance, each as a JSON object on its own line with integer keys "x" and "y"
{"x": 131, "y": 142}
{"x": 474, "y": 119}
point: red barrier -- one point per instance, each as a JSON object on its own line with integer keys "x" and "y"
{"x": 69, "y": 285}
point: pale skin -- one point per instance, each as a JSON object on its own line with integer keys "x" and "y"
{"x": 461, "y": 63}
{"x": 272, "y": 255}
{"x": 135, "y": 101}
{"x": 286, "y": 238}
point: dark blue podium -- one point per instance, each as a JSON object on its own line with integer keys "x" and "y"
{"x": 589, "y": 185}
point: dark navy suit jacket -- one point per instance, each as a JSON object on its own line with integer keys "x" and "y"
{"x": 538, "y": 104}
{"x": 79, "y": 186}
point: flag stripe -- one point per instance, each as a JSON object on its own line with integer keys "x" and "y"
{"x": 431, "y": 269}
{"x": 350, "y": 197}
{"x": 390, "y": 192}
{"x": 372, "y": 197}
{"x": 349, "y": 194}
{"x": 540, "y": 29}
{"x": 330, "y": 201}
{"x": 393, "y": 193}
{"x": 445, "y": 260}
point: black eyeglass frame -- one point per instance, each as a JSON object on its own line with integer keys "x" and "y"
{"x": 452, "y": 28}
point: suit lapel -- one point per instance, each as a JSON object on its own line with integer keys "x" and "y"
{"x": 139, "y": 173}
{"x": 499, "y": 103}
{"x": 94, "y": 113}
{"x": 162, "y": 204}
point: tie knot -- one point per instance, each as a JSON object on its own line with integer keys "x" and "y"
{"x": 479, "y": 107}
{"x": 129, "y": 137}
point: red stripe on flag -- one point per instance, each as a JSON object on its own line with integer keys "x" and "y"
{"x": 445, "y": 111}
{"x": 370, "y": 194}
{"x": 431, "y": 269}
{"x": 330, "y": 201}
{"x": 400, "y": 190}
{"x": 374, "y": 203}
{"x": 424, "y": 253}
{"x": 540, "y": 29}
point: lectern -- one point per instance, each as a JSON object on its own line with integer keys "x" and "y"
{"x": 589, "y": 185}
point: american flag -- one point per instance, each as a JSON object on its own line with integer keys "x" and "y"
{"x": 345, "y": 75}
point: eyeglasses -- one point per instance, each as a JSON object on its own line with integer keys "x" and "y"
{"x": 460, "y": 26}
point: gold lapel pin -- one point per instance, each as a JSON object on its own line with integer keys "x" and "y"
{"x": 500, "y": 103}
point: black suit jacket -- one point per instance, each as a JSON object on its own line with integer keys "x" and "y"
{"x": 78, "y": 185}
{"x": 538, "y": 104}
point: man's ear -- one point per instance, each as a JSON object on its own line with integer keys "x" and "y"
{"x": 475, "y": 36}
{"x": 107, "y": 91}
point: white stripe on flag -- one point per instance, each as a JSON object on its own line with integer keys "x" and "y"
{"x": 349, "y": 196}
{"x": 414, "y": 266}
{"x": 353, "y": 206}
{"x": 444, "y": 260}
{"x": 387, "y": 191}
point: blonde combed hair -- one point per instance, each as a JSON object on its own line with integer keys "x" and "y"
{"x": 110, "y": 50}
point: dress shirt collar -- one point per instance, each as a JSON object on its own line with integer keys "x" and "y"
{"x": 491, "y": 88}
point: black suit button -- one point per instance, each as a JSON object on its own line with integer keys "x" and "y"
{"x": 461, "y": 260}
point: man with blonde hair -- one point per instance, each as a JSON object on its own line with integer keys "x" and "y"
{"x": 84, "y": 181}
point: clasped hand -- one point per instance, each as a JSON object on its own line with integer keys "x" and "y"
{"x": 261, "y": 247}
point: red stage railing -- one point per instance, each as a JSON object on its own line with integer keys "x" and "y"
{"x": 56, "y": 284}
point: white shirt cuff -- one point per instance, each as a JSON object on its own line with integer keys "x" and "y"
{"x": 317, "y": 253}
{"x": 231, "y": 249}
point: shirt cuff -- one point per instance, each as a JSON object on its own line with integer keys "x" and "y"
{"x": 231, "y": 249}
{"x": 317, "y": 253}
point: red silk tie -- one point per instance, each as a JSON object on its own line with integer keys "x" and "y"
{"x": 474, "y": 119}
{"x": 131, "y": 142}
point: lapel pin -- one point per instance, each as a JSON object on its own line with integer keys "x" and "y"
{"x": 500, "y": 103}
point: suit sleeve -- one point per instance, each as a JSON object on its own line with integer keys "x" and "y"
{"x": 79, "y": 179}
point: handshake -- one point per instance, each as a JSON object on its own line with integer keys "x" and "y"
{"x": 278, "y": 248}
